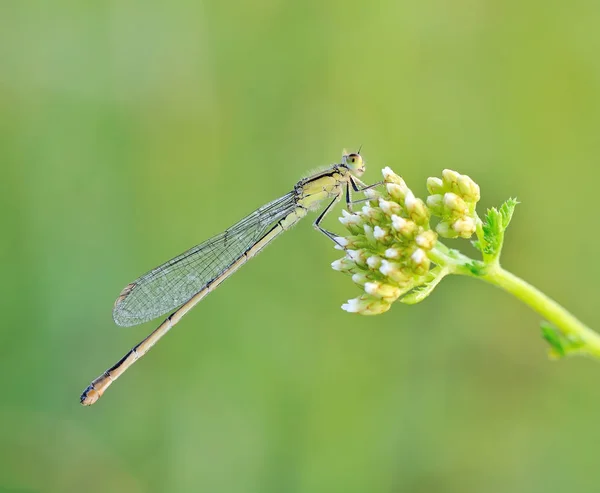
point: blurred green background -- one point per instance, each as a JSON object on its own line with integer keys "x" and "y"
{"x": 133, "y": 130}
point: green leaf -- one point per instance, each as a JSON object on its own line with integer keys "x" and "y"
{"x": 496, "y": 222}
{"x": 561, "y": 344}
{"x": 477, "y": 268}
{"x": 506, "y": 211}
{"x": 477, "y": 245}
{"x": 492, "y": 232}
{"x": 421, "y": 292}
{"x": 553, "y": 337}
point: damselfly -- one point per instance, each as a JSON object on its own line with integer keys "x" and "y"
{"x": 182, "y": 282}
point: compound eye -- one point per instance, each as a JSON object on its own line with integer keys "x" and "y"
{"x": 354, "y": 160}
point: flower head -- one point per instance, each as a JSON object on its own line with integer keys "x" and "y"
{"x": 453, "y": 199}
{"x": 386, "y": 251}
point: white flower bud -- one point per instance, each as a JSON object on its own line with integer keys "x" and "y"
{"x": 366, "y": 305}
{"x": 469, "y": 189}
{"x": 392, "y": 253}
{"x": 464, "y": 227}
{"x": 435, "y": 186}
{"x": 381, "y": 234}
{"x": 420, "y": 261}
{"x": 418, "y": 256}
{"x": 410, "y": 199}
{"x": 340, "y": 242}
{"x": 343, "y": 265}
{"x": 390, "y": 177}
{"x": 436, "y": 204}
{"x": 426, "y": 239}
{"x": 456, "y": 204}
{"x": 389, "y": 207}
{"x": 397, "y": 192}
{"x": 416, "y": 208}
{"x": 357, "y": 256}
{"x": 406, "y": 227}
{"x": 353, "y": 222}
{"x": 367, "y": 210}
{"x": 359, "y": 279}
{"x": 394, "y": 271}
{"x": 445, "y": 230}
{"x": 374, "y": 262}
{"x": 450, "y": 178}
{"x": 372, "y": 194}
{"x": 380, "y": 290}
{"x": 355, "y": 305}
{"x": 353, "y": 255}
{"x": 370, "y": 213}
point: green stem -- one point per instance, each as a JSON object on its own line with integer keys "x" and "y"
{"x": 569, "y": 325}
{"x": 454, "y": 261}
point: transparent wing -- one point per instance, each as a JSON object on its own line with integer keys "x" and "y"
{"x": 173, "y": 283}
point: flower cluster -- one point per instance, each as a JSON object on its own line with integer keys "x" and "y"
{"x": 386, "y": 252}
{"x": 453, "y": 199}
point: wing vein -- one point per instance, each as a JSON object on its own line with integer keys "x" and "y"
{"x": 171, "y": 284}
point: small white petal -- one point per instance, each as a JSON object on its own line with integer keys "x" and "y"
{"x": 374, "y": 262}
{"x": 450, "y": 176}
{"x": 390, "y": 177}
{"x": 392, "y": 253}
{"x": 444, "y": 230}
{"x": 386, "y": 268}
{"x": 387, "y": 171}
{"x": 356, "y": 256}
{"x": 398, "y": 222}
{"x": 350, "y": 219}
{"x": 418, "y": 256}
{"x": 395, "y": 190}
{"x": 464, "y": 226}
{"x": 389, "y": 207}
{"x": 435, "y": 201}
{"x": 359, "y": 278}
{"x": 337, "y": 265}
{"x": 371, "y": 288}
{"x": 352, "y": 306}
{"x": 370, "y": 193}
{"x": 379, "y": 233}
{"x": 426, "y": 239}
{"x": 434, "y": 185}
{"x": 455, "y": 203}
{"x": 393, "y": 271}
{"x": 468, "y": 188}
{"x": 410, "y": 200}
{"x": 367, "y": 210}
{"x": 461, "y": 225}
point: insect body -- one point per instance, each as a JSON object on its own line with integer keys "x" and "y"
{"x": 179, "y": 284}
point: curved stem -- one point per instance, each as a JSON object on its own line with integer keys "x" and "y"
{"x": 568, "y": 324}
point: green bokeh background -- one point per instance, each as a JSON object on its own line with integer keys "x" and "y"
{"x": 133, "y": 130}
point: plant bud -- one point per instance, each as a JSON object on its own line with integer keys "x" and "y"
{"x": 465, "y": 227}
{"x": 426, "y": 239}
{"x": 435, "y": 186}
{"x": 469, "y": 189}
{"x": 455, "y": 204}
